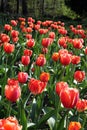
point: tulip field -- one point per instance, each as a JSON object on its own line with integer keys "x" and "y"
{"x": 43, "y": 75}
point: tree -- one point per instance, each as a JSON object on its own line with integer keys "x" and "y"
{"x": 41, "y": 7}
{"x": 24, "y": 7}
{"x": 17, "y": 6}
{"x": 79, "y": 6}
{"x": 2, "y": 6}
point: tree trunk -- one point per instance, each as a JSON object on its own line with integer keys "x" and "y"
{"x": 17, "y": 6}
{"x": 24, "y": 7}
{"x": 42, "y": 8}
{"x": 2, "y": 6}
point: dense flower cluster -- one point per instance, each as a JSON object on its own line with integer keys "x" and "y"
{"x": 43, "y": 74}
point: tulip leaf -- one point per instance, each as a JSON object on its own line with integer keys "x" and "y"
{"x": 33, "y": 111}
{"x": 23, "y": 119}
{"x": 51, "y": 120}
{"x": 45, "y": 118}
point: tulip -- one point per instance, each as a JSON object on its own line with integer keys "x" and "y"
{"x": 5, "y": 38}
{"x": 12, "y": 92}
{"x": 52, "y": 35}
{"x": 28, "y": 52}
{"x": 14, "y": 33}
{"x": 55, "y": 56}
{"x": 44, "y": 77}
{"x": 13, "y": 22}
{"x": 10, "y": 123}
{"x": 41, "y": 60}
{"x": 7, "y": 27}
{"x": 30, "y": 43}
{"x": 65, "y": 59}
{"x": 61, "y": 85}
{"x": 81, "y": 105}
{"x": 69, "y": 97}
{"x": 79, "y": 76}
{"x": 75, "y": 59}
{"x": 22, "y": 77}
{"x": 36, "y": 86}
{"x": 12, "y": 81}
{"x": 25, "y": 60}
{"x": 9, "y": 48}
{"x": 74, "y": 126}
{"x": 77, "y": 43}
{"x": 46, "y": 42}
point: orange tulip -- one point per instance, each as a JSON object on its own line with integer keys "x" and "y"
{"x": 44, "y": 77}
{"x": 74, "y": 126}
{"x": 55, "y": 56}
{"x": 9, "y": 123}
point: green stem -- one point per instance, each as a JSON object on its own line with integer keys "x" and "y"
{"x": 23, "y": 119}
{"x": 9, "y": 108}
{"x": 57, "y": 106}
{"x": 84, "y": 122}
{"x": 67, "y": 121}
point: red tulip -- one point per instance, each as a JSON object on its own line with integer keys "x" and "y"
{"x": 9, "y": 48}
{"x": 12, "y": 81}
{"x": 13, "y": 22}
{"x": 77, "y": 43}
{"x": 30, "y": 43}
{"x": 36, "y": 86}
{"x": 5, "y": 38}
{"x": 61, "y": 85}
{"x": 44, "y": 50}
{"x": 28, "y": 52}
{"x": 79, "y": 76}
{"x": 79, "y": 26}
{"x": 37, "y": 27}
{"x": 41, "y": 60}
{"x": 25, "y": 60}
{"x": 14, "y": 33}
{"x": 69, "y": 97}
{"x": 28, "y": 36}
{"x": 52, "y": 35}
{"x": 65, "y": 59}
{"x": 75, "y": 59}
{"x": 81, "y": 105}
{"x": 86, "y": 50}
{"x": 62, "y": 41}
{"x": 12, "y": 92}
{"x": 22, "y": 77}
{"x": 7, "y": 27}
{"x": 15, "y": 39}
{"x": 62, "y": 31}
{"x": 28, "y": 29}
{"x": 43, "y": 31}
{"x": 46, "y": 42}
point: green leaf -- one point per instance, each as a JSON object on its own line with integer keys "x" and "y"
{"x": 45, "y": 118}
{"x": 51, "y": 120}
{"x": 33, "y": 111}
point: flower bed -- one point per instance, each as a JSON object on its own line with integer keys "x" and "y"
{"x": 43, "y": 74}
